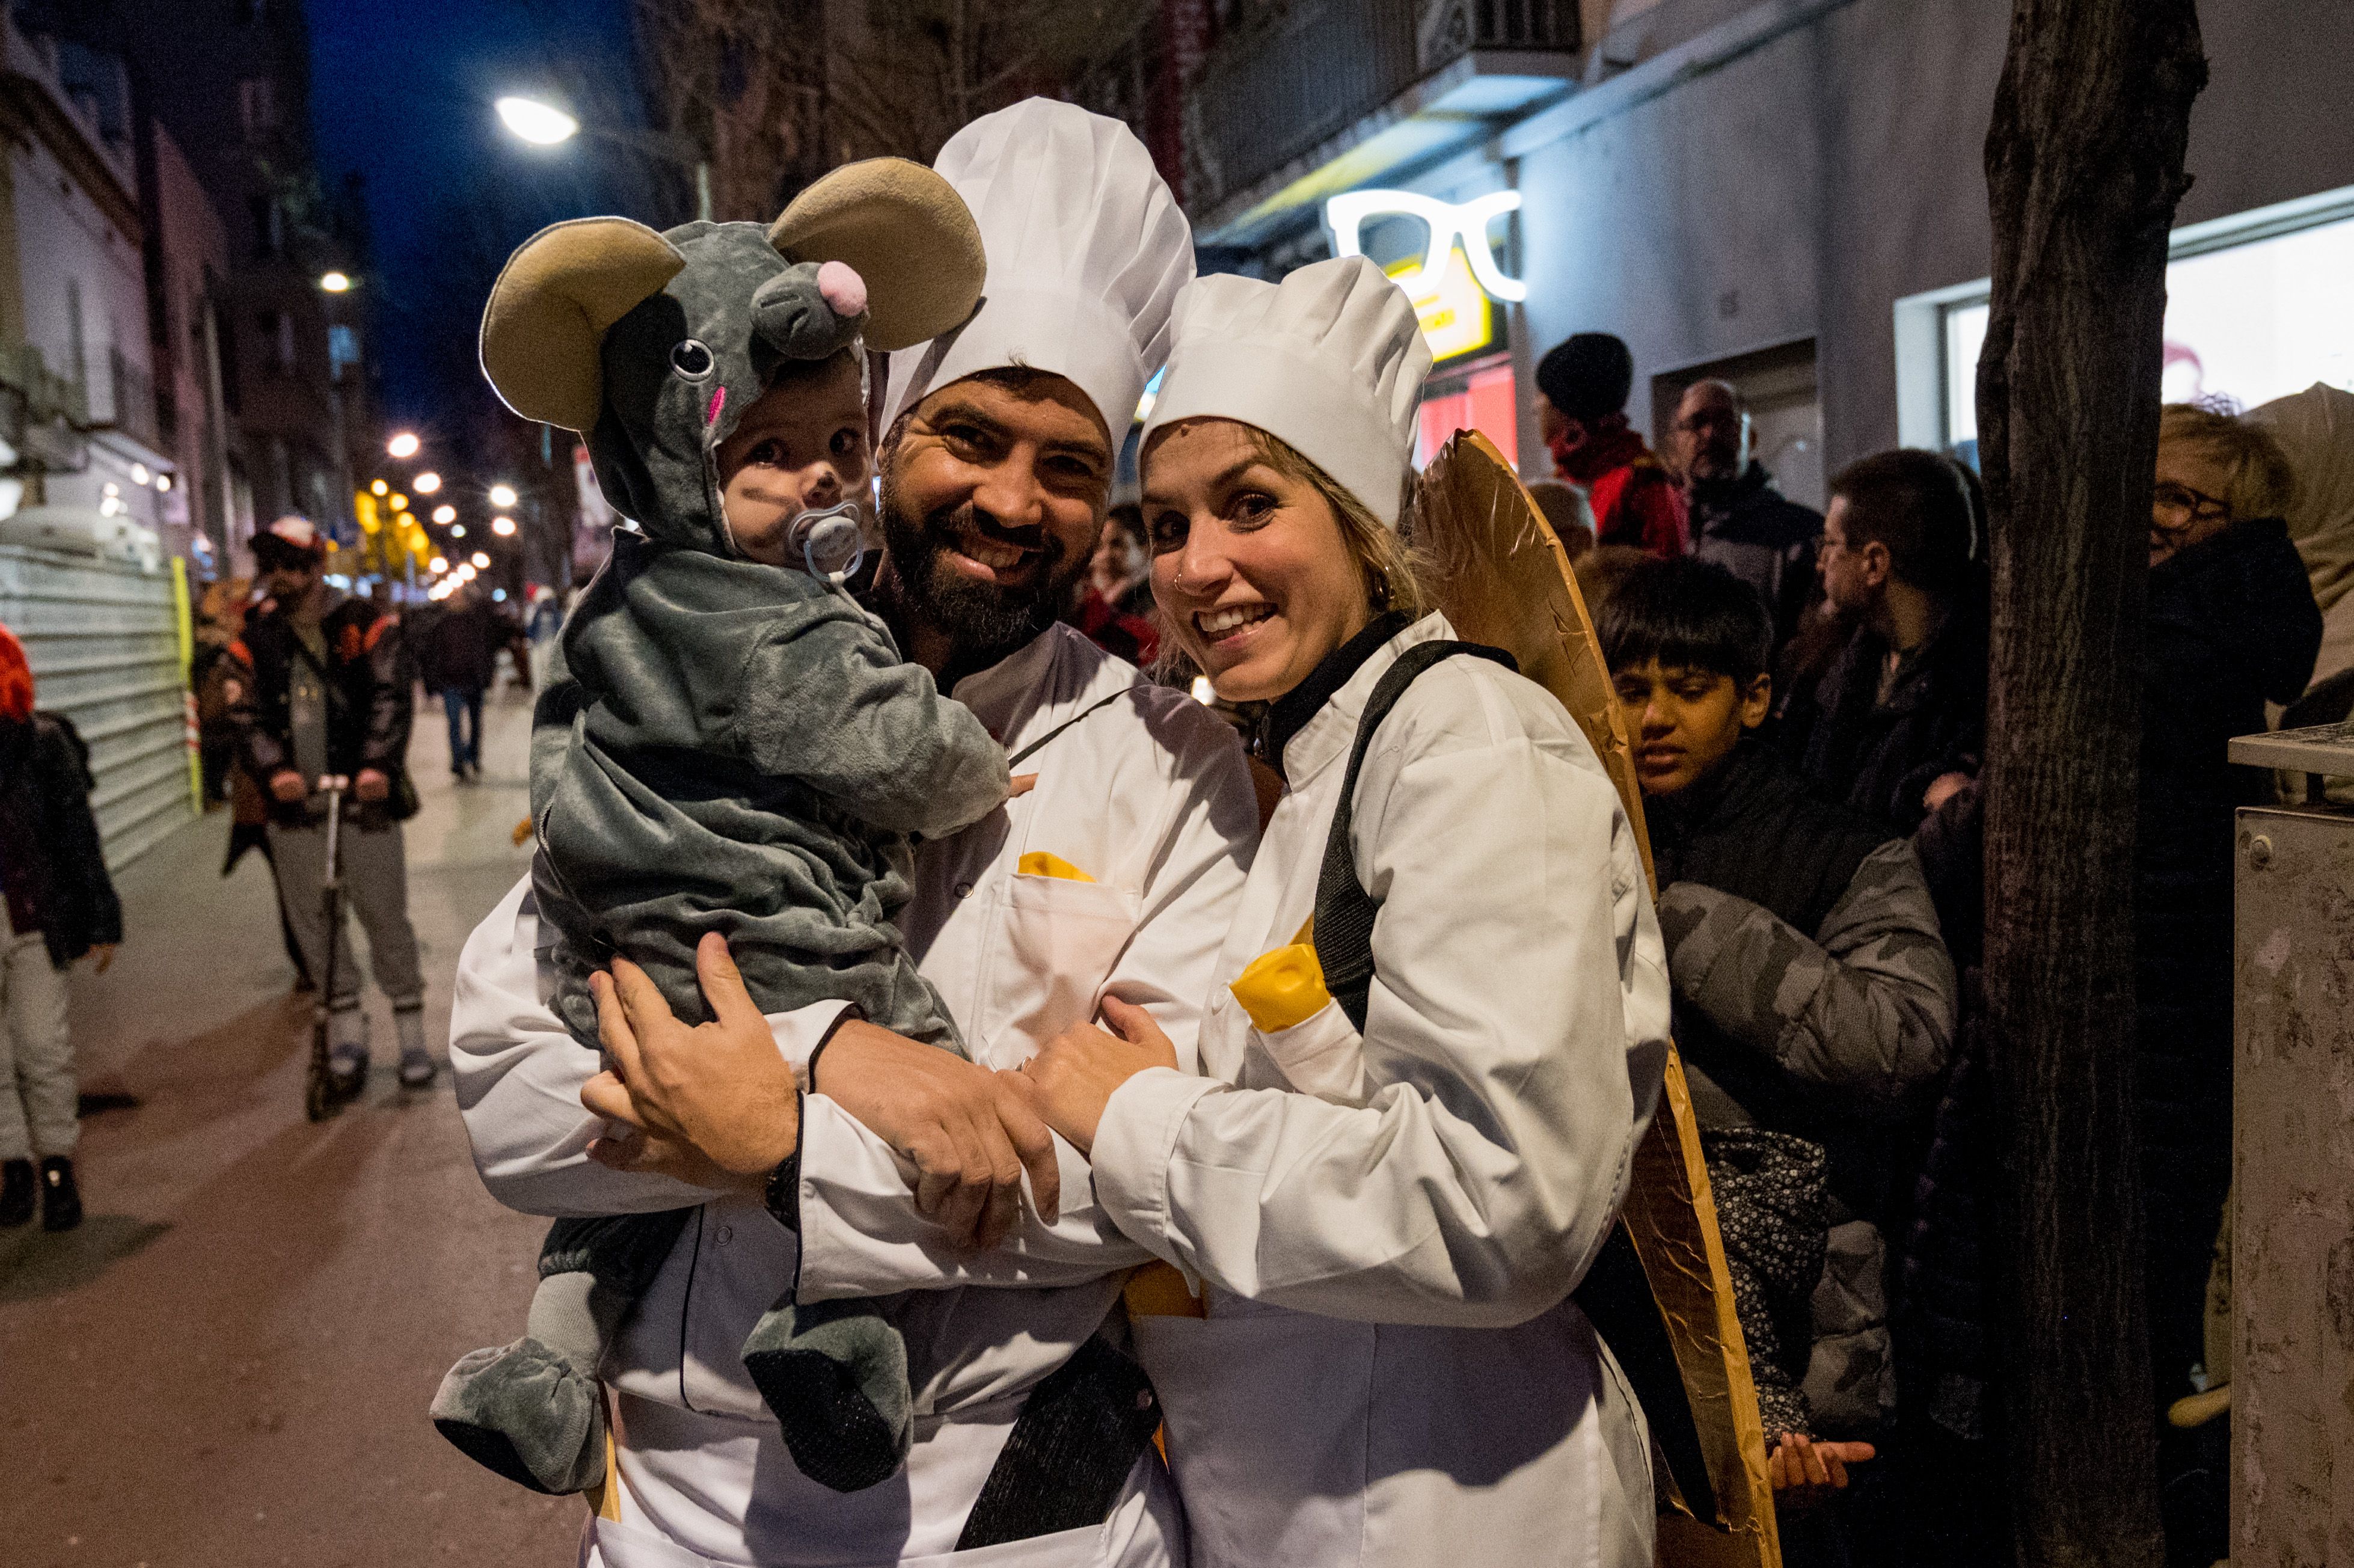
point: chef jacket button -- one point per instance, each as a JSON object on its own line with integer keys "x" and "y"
{"x": 964, "y": 890}
{"x": 726, "y": 1234}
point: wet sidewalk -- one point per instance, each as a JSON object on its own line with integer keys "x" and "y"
{"x": 228, "y": 1364}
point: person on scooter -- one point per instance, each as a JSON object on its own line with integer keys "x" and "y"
{"x": 329, "y": 695}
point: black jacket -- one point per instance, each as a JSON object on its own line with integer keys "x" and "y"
{"x": 370, "y": 703}
{"x": 1880, "y": 757}
{"x": 1761, "y": 537}
{"x": 458, "y": 650}
{"x": 2232, "y": 625}
{"x": 52, "y": 863}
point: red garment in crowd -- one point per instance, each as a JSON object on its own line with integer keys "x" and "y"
{"x": 16, "y": 679}
{"x": 1635, "y": 500}
{"x": 1121, "y": 633}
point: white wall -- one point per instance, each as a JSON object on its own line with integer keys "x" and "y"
{"x": 1800, "y": 189}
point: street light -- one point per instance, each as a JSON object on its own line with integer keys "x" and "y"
{"x": 503, "y": 495}
{"x": 437, "y": 565}
{"x": 502, "y": 526}
{"x": 465, "y": 571}
{"x": 335, "y": 282}
{"x": 456, "y": 530}
{"x": 445, "y": 513}
{"x": 379, "y": 487}
{"x": 398, "y": 502}
{"x": 403, "y": 445}
{"x": 482, "y": 561}
{"x": 545, "y": 125}
{"x": 426, "y": 484}
{"x": 541, "y": 124}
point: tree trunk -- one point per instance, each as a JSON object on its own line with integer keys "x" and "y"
{"x": 2084, "y": 168}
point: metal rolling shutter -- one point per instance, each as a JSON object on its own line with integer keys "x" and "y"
{"x": 105, "y": 653}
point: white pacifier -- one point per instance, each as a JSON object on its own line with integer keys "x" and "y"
{"x": 829, "y": 539}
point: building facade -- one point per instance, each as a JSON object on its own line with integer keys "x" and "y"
{"x": 1787, "y": 192}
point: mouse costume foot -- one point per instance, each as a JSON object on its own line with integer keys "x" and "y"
{"x": 527, "y": 1413}
{"x": 835, "y": 1376}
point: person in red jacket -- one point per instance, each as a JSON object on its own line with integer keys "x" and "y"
{"x": 1582, "y": 386}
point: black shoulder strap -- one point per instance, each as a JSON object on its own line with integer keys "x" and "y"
{"x": 1615, "y": 1296}
{"x": 1343, "y": 932}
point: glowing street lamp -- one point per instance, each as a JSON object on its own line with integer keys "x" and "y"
{"x": 502, "y": 526}
{"x": 445, "y": 513}
{"x": 398, "y": 502}
{"x": 503, "y": 495}
{"x": 465, "y": 571}
{"x": 456, "y": 530}
{"x": 426, "y": 484}
{"x": 335, "y": 282}
{"x": 379, "y": 488}
{"x": 437, "y": 565}
{"x": 482, "y": 561}
{"x": 541, "y": 124}
{"x": 403, "y": 445}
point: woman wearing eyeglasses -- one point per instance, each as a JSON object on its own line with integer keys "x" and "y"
{"x": 2232, "y": 626}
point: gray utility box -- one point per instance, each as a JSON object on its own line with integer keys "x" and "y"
{"x": 2293, "y": 1139}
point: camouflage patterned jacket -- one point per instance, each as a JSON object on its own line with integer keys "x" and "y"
{"x": 1813, "y": 996}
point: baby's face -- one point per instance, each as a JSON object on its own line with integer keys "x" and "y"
{"x": 802, "y": 446}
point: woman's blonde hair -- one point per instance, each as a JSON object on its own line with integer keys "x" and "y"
{"x": 2262, "y": 483}
{"x": 1393, "y": 570}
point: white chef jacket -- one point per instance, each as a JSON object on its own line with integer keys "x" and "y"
{"x": 1389, "y": 1225}
{"x": 1148, "y": 798}
{"x": 1431, "y": 1191}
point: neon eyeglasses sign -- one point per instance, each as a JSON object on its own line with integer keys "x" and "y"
{"x": 1446, "y": 223}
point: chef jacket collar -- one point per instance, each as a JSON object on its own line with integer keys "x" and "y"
{"x": 1289, "y": 714}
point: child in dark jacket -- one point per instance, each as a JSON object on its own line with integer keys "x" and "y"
{"x": 1814, "y": 1003}
{"x": 59, "y": 905}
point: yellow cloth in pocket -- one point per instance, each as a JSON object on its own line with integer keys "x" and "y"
{"x": 1038, "y": 862}
{"x": 1282, "y": 988}
{"x": 1158, "y": 1290}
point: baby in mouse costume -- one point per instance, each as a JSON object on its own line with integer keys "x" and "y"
{"x": 734, "y": 744}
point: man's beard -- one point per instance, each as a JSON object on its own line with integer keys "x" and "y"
{"x": 985, "y": 622}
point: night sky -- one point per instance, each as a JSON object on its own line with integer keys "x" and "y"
{"x": 401, "y": 95}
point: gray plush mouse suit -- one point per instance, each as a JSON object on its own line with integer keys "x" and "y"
{"x": 729, "y": 747}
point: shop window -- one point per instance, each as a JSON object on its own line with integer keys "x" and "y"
{"x": 2258, "y": 306}
{"x": 257, "y": 106}
{"x": 1475, "y": 397}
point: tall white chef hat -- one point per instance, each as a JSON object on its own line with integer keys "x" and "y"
{"x": 1329, "y": 361}
{"x": 1087, "y": 251}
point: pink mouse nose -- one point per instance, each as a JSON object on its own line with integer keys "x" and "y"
{"x": 843, "y": 289}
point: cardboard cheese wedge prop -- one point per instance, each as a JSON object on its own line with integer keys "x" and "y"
{"x": 1503, "y": 579}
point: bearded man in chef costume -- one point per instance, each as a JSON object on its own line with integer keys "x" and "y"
{"x": 835, "y": 1158}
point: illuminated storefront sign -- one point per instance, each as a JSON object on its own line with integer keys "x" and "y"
{"x": 1446, "y": 223}
{"x": 1457, "y": 319}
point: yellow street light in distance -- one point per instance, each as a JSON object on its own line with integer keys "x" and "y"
{"x": 403, "y": 445}
{"x": 398, "y": 501}
{"x": 445, "y": 513}
{"x": 502, "y": 526}
{"x": 437, "y": 565}
{"x": 541, "y": 124}
{"x": 427, "y": 483}
{"x": 335, "y": 282}
{"x": 503, "y": 495}
{"x": 379, "y": 488}
{"x": 482, "y": 561}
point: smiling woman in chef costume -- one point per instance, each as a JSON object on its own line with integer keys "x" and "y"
{"x": 1386, "y": 1213}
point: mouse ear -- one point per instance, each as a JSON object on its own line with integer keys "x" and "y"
{"x": 906, "y": 231}
{"x": 549, "y": 312}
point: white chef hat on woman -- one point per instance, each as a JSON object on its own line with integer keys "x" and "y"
{"x": 1329, "y": 362}
{"x": 1086, "y": 253}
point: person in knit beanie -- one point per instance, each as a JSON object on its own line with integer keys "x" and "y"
{"x": 59, "y": 905}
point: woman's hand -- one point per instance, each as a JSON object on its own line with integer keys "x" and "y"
{"x": 1805, "y": 1470}
{"x": 1071, "y": 1081}
{"x": 719, "y": 1087}
{"x": 969, "y": 1135}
